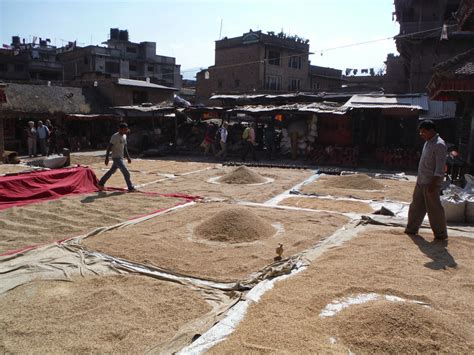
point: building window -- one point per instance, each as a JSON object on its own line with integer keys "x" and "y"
{"x": 86, "y": 60}
{"x": 167, "y": 73}
{"x": 112, "y": 67}
{"x": 219, "y": 84}
{"x": 295, "y": 62}
{"x": 293, "y": 84}
{"x": 19, "y": 67}
{"x": 274, "y": 58}
{"x": 273, "y": 82}
{"x": 151, "y": 69}
{"x": 237, "y": 83}
{"x": 3, "y": 67}
{"x": 139, "y": 97}
{"x": 131, "y": 50}
{"x": 317, "y": 86}
{"x": 132, "y": 67}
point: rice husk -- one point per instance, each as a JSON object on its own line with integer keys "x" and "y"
{"x": 170, "y": 241}
{"x": 120, "y": 314}
{"x": 49, "y": 221}
{"x": 395, "y": 190}
{"x": 380, "y": 260}
{"x": 355, "y": 181}
{"x": 242, "y": 175}
{"x": 397, "y": 328}
{"x": 328, "y": 204}
{"x": 234, "y": 225}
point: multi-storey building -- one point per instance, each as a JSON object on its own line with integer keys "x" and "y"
{"x": 428, "y": 36}
{"x": 30, "y": 61}
{"x": 256, "y": 62}
{"x": 122, "y": 58}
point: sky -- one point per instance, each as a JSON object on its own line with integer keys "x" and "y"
{"x": 188, "y": 29}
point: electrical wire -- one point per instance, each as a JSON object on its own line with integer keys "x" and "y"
{"x": 324, "y": 50}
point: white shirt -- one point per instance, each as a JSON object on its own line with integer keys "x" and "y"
{"x": 118, "y": 145}
{"x": 224, "y": 134}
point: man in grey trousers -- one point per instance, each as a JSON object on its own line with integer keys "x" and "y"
{"x": 118, "y": 147}
{"x": 426, "y": 196}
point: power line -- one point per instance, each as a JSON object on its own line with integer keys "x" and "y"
{"x": 323, "y": 50}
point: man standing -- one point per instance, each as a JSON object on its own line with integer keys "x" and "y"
{"x": 118, "y": 147}
{"x": 428, "y": 184}
{"x": 249, "y": 141}
{"x": 43, "y": 133}
{"x": 223, "y": 133}
{"x": 31, "y": 138}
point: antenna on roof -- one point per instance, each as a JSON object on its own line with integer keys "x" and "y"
{"x": 220, "y": 31}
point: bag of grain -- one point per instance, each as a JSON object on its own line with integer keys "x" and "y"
{"x": 454, "y": 208}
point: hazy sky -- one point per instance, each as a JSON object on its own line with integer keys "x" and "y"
{"x": 187, "y": 29}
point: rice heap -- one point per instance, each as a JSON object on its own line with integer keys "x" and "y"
{"x": 242, "y": 175}
{"x": 234, "y": 225}
{"x": 356, "y": 181}
{"x": 395, "y": 327}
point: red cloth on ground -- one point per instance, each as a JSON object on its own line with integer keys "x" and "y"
{"x": 23, "y": 189}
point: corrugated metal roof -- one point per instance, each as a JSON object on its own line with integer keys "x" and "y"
{"x": 412, "y": 102}
{"x": 439, "y": 110}
{"x": 235, "y": 97}
{"x": 146, "y": 108}
{"x": 325, "y": 107}
{"x": 144, "y": 84}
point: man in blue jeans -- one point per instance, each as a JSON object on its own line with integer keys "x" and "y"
{"x": 118, "y": 147}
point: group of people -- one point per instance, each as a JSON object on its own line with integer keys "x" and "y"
{"x": 42, "y": 135}
{"x": 220, "y": 135}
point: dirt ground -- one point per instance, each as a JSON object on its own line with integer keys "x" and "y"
{"x": 395, "y": 190}
{"x": 328, "y": 205}
{"x": 169, "y": 241}
{"x": 121, "y": 314}
{"x": 197, "y": 184}
{"x": 384, "y": 261}
{"x": 49, "y": 221}
{"x": 12, "y": 168}
{"x": 151, "y": 166}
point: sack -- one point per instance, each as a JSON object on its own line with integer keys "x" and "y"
{"x": 245, "y": 135}
{"x": 454, "y": 208}
{"x": 470, "y": 211}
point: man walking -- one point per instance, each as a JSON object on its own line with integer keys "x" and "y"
{"x": 428, "y": 184}
{"x": 43, "y": 134}
{"x": 118, "y": 147}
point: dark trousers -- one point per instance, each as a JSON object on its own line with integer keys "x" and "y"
{"x": 117, "y": 164}
{"x": 43, "y": 145}
{"x": 424, "y": 202}
{"x": 249, "y": 147}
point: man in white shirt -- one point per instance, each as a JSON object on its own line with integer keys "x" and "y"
{"x": 118, "y": 147}
{"x": 223, "y": 133}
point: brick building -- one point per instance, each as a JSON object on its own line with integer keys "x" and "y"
{"x": 428, "y": 36}
{"x": 30, "y": 61}
{"x": 324, "y": 79}
{"x": 256, "y": 62}
{"x": 122, "y": 58}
